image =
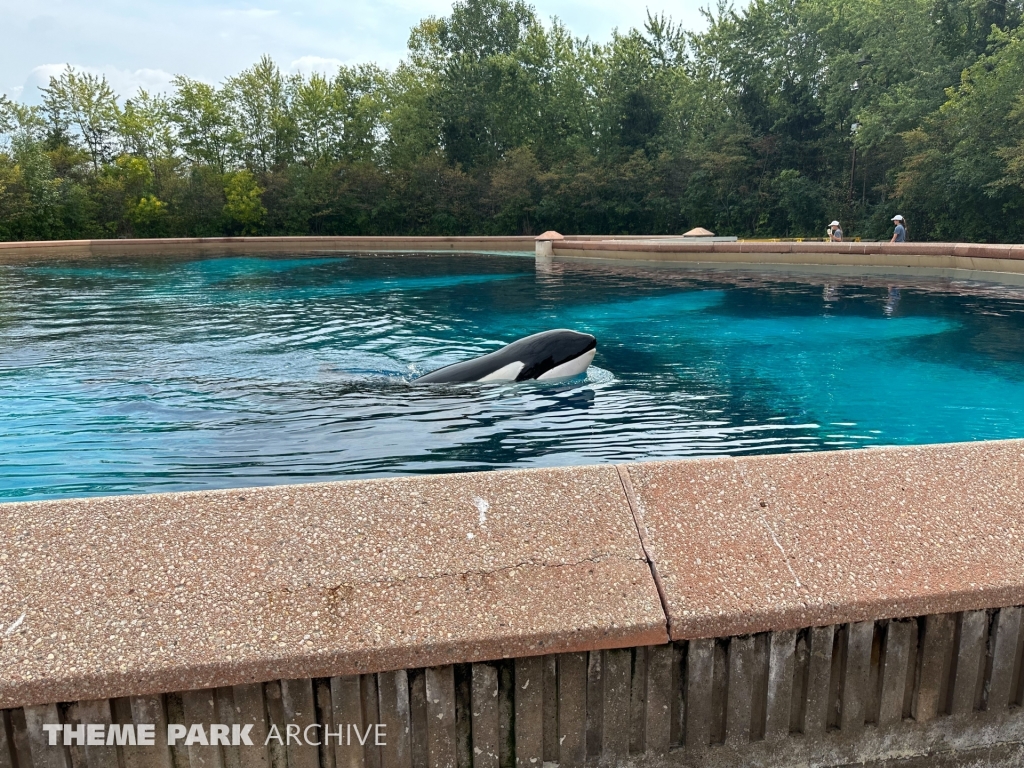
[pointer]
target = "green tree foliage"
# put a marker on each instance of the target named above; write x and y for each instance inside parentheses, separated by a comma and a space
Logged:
(779, 117)
(258, 103)
(81, 106)
(962, 175)
(243, 211)
(146, 129)
(201, 117)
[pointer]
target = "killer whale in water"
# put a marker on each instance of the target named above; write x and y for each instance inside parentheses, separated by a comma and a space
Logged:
(548, 355)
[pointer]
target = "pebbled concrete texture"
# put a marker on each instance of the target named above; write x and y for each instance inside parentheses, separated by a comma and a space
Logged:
(780, 542)
(132, 595)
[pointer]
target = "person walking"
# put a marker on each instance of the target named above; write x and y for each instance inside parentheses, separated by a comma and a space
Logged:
(835, 232)
(899, 234)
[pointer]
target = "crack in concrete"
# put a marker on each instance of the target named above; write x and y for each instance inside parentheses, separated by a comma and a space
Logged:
(641, 532)
(778, 544)
(483, 572)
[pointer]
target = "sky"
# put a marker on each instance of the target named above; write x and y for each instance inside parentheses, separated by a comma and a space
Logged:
(139, 43)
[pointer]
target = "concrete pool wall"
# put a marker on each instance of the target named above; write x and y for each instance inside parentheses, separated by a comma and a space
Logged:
(242, 246)
(944, 256)
(804, 609)
(1007, 259)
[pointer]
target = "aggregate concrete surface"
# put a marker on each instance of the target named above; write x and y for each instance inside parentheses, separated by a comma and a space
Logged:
(132, 595)
(786, 541)
(127, 595)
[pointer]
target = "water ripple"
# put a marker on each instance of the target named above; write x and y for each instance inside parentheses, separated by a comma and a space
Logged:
(146, 375)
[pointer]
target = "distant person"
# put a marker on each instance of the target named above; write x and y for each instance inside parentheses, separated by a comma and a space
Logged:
(899, 234)
(835, 232)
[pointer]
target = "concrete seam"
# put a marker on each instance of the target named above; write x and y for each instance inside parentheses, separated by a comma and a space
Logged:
(645, 543)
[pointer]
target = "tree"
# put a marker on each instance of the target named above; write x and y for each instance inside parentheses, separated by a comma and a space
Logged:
(961, 177)
(87, 104)
(319, 119)
(33, 192)
(472, 54)
(146, 128)
(205, 131)
(258, 99)
(244, 208)
(776, 117)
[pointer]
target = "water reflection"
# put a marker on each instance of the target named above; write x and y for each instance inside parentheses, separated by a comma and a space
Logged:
(892, 300)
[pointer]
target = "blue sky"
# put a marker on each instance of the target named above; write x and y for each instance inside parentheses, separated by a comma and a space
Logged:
(141, 43)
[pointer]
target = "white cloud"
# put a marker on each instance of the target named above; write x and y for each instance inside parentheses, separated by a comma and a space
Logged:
(307, 65)
(38, 78)
(128, 83)
(248, 13)
(140, 43)
(124, 82)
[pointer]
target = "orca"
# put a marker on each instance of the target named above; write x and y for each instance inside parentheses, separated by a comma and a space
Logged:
(548, 355)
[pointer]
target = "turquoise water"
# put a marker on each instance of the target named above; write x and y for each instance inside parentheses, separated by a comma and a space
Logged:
(136, 376)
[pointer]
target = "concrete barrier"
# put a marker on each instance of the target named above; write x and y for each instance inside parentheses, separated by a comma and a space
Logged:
(806, 609)
(230, 246)
(12, 251)
(945, 256)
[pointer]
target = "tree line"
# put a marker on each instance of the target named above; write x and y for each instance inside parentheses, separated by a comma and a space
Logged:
(771, 122)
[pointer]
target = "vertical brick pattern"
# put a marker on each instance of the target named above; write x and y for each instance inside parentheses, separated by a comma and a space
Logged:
(690, 699)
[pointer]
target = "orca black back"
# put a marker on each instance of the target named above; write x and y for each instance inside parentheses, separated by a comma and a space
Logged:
(549, 354)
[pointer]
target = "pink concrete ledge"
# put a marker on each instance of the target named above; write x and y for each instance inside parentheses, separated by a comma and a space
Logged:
(17, 251)
(131, 595)
(780, 542)
(951, 250)
(956, 255)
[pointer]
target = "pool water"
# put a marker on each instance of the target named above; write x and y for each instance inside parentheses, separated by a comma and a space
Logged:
(132, 376)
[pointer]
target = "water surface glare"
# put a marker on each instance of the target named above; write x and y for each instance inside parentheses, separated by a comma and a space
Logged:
(128, 376)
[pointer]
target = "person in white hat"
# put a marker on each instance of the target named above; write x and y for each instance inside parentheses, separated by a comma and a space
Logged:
(899, 234)
(835, 232)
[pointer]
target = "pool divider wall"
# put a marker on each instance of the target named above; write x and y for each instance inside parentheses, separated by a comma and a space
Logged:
(826, 608)
(959, 256)
(241, 246)
(16, 251)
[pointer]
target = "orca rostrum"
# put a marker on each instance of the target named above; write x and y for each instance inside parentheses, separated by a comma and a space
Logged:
(549, 355)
